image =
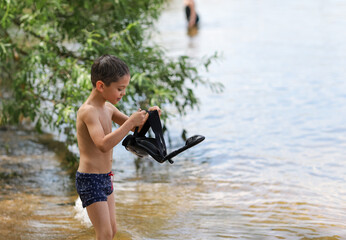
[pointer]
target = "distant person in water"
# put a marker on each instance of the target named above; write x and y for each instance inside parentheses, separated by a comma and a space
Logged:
(191, 15)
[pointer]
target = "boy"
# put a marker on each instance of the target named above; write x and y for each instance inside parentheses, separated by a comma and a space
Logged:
(110, 76)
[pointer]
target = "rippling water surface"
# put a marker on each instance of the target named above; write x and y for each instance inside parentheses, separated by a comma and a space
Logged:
(272, 164)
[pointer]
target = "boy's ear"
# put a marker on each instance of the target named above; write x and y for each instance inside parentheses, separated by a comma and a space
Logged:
(100, 85)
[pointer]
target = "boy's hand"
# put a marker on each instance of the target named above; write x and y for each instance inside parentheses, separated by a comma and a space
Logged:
(139, 118)
(155, 108)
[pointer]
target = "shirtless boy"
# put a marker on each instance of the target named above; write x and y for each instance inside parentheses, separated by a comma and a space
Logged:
(110, 76)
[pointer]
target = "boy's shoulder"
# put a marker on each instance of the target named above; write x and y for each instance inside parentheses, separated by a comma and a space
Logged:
(110, 106)
(85, 110)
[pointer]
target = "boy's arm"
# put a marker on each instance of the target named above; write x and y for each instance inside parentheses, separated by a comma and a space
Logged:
(104, 142)
(120, 118)
(117, 116)
(193, 14)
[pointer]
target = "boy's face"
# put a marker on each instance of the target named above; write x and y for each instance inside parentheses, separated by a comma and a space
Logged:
(116, 90)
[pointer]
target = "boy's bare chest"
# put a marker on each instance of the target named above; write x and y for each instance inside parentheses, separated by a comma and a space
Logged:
(106, 121)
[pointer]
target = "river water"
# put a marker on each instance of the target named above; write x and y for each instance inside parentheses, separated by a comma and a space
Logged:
(272, 164)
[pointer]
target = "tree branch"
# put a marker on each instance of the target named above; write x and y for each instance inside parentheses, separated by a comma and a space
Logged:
(66, 53)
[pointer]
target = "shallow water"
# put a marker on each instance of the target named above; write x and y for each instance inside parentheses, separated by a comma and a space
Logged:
(272, 164)
(37, 196)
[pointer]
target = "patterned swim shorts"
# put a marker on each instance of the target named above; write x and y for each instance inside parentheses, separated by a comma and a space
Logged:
(93, 187)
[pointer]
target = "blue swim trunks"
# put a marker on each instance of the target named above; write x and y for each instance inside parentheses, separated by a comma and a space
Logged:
(93, 187)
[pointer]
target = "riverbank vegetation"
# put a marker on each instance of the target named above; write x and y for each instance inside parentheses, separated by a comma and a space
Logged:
(47, 48)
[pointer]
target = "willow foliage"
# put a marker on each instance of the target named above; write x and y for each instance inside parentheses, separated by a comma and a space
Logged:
(47, 48)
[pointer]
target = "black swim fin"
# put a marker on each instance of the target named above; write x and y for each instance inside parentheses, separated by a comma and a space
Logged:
(190, 142)
(141, 145)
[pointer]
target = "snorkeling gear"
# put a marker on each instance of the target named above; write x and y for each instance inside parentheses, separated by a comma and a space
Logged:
(142, 146)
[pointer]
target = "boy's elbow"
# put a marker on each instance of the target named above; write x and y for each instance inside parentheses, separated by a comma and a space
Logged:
(102, 147)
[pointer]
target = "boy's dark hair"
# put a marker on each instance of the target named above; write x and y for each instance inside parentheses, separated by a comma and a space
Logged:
(108, 69)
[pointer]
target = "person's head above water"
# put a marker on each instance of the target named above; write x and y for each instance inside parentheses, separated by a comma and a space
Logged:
(108, 69)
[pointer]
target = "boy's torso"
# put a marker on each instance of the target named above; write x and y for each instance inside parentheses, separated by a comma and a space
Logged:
(92, 160)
